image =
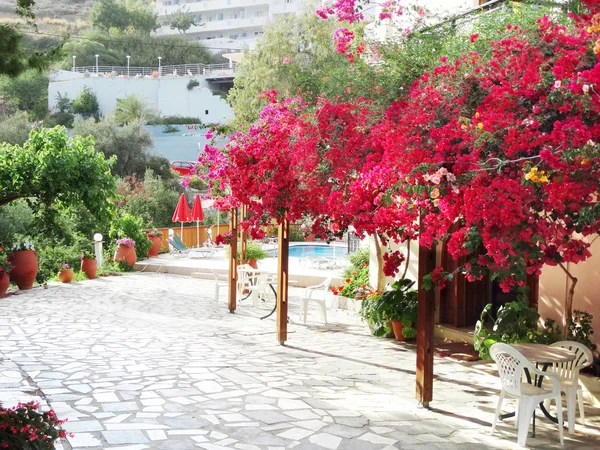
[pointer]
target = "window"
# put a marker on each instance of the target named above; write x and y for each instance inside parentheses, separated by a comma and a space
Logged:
(242, 14)
(219, 16)
(288, 1)
(206, 112)
(210, 19)
(233, 36)
(243, 35)
(233, 16)
(258, 13)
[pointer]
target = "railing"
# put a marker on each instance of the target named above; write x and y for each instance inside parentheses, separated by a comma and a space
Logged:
(210, 70)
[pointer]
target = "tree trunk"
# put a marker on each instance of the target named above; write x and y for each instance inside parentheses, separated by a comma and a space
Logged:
(568, 299)
(380, 275)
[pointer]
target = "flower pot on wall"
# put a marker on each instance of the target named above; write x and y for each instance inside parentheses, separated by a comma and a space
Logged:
(89, 267)
(126, 254)
(66, 275)
(252, 262)
(156, 245)
(4, 282)
(25, 268)
(310, 238)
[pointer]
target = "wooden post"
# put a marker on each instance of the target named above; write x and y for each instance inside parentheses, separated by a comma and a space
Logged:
(244, 245)
(425, 326)
(282, 280)
(233, 228)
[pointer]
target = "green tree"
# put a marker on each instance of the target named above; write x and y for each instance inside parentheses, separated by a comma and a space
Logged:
(86, 104)
(133, 108)
(56, 170)
(27, 92)
(129, 143)
(295, 55)
(108, 14)
(15, 129)
(182, 20)
(63, 112)
(151, 198)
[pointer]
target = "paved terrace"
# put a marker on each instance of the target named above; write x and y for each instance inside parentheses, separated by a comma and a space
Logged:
(150, 361)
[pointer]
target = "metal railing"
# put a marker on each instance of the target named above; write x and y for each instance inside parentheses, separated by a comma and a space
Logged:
(226, 70)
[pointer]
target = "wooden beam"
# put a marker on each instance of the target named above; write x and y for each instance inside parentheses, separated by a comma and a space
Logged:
(282, 280)
(243, 259)
(425, 326)
(233, 228)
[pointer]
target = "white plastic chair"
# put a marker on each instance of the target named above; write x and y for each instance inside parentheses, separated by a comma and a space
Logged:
(511, 366)
(308, 297)
(260, 286)
(569, 378)
(221, 280)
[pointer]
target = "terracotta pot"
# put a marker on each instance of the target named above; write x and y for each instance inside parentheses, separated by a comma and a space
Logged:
(126, 254)
(89, 267)
(398, 326)
(310, 238)
(156, 245)
(4, 282)
(252, 262)
(66, 275)
(25, 268)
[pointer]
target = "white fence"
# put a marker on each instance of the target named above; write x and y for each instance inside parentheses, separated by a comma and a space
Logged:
(226, 70)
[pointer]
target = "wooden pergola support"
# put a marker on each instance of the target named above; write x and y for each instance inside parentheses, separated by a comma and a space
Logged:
(233, 228)
(282, 280)
(425, 327)
(244, 236)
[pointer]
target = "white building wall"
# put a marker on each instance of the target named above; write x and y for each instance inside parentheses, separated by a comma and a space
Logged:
(167, 95)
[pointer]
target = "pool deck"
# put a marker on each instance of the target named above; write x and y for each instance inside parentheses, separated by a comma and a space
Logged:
(202, 267)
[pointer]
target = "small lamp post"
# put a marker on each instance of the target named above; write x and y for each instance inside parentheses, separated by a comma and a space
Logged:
(97, 64)
(128, 65)
(159, 69)
(98, 249)
(74, 62)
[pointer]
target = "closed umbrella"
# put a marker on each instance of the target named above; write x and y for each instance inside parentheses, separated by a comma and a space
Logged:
(197, 216)
(182, 212)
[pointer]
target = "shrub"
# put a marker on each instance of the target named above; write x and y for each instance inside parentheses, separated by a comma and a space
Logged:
(174, 120)
(86, 103)
(192, 84)
(128, 226)
(24, 427)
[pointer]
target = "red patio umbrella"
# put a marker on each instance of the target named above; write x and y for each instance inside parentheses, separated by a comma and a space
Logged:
(182, 212)
(197, 216)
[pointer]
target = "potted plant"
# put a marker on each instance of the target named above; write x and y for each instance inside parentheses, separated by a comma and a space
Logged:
(126, 251)
(25, 264)
(254, 253)
(24, 427)
(65, 274)
(5, 268)
(398, 306)
(155, 237)
(89, 265)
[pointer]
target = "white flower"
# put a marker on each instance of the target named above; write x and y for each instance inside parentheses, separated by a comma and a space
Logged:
(451, 177)
(557, 84)
(435, 178)
(586, 88)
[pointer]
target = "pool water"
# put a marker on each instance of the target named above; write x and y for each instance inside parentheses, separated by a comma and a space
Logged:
(303, 251)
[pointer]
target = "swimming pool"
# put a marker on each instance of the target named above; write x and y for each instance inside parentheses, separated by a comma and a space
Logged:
(303, 251)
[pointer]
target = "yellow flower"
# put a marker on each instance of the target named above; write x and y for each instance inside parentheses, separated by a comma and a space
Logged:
(480, 126)
(543, 179)
(597, 47)
(463, 127)
(589, 29)
(436, 202)
(477, 115)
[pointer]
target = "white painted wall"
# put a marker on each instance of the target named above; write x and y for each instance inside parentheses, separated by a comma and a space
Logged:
(412, 261)
(167, 95)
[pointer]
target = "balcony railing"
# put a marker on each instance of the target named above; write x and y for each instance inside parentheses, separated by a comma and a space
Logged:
(226, 70)
(207, 5)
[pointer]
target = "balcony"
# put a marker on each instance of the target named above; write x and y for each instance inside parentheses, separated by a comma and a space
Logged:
(208, 6)
(215, 26)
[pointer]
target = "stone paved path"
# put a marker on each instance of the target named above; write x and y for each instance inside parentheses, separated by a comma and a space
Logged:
(150, 361)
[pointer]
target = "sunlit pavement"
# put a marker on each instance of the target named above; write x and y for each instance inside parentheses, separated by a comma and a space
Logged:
(151, 361)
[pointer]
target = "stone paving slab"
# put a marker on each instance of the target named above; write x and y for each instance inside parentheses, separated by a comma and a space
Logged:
(150, 361)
